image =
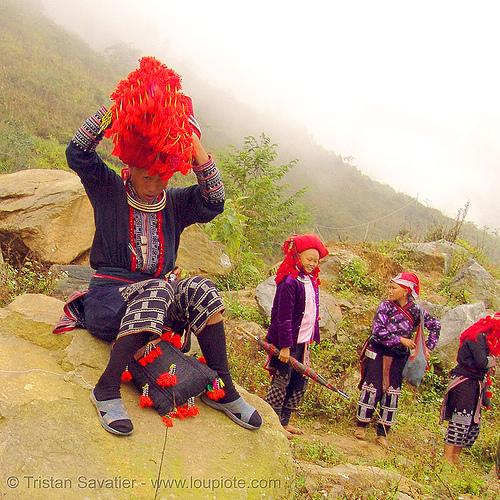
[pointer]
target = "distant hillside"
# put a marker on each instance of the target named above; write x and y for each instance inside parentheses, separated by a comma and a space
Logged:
(50, 80)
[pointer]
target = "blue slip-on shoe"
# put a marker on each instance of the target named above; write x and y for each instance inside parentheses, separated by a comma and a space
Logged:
(238, 411)
(110, 411)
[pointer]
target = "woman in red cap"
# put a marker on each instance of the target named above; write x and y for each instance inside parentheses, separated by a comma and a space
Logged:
(467, 390)
(294, 323)
(386, 353)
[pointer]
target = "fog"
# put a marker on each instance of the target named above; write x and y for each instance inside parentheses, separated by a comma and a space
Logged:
(409, 90)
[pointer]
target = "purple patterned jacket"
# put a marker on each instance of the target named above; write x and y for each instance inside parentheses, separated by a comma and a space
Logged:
(390, 325)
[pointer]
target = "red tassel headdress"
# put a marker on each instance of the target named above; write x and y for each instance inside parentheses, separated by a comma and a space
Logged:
(150, 120)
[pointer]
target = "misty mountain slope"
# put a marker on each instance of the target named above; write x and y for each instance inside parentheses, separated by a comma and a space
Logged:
(51, 79)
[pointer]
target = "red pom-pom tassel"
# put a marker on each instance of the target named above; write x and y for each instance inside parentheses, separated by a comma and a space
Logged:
(126, 375)
(215, 391)
(167, 420)
(146, 401)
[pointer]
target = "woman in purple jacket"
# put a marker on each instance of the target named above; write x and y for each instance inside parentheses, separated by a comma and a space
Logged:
(294, 323)
(386, 353)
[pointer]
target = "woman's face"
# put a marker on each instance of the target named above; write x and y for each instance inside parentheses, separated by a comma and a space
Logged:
(309, 259)
(397, 293)
(147, 187)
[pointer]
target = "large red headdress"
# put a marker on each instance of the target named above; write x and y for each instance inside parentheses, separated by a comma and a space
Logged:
(150, 120)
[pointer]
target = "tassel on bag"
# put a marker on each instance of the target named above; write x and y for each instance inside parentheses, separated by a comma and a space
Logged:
(126, 375)
(169, 378)
(216, 391)
(145, 400)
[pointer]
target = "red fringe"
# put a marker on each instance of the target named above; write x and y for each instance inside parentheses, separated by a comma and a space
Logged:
(151, 127)
(172, 337)
(126, 376)
(167, 379)
(185, 411)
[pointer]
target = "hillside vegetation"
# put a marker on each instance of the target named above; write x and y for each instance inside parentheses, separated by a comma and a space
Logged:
(51, 80)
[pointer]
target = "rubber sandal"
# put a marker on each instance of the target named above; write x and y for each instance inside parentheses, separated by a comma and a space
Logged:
(360, 432)
(238, 411)
(382, 441)
(110, 411)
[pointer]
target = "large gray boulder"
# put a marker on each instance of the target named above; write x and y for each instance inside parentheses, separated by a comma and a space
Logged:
(52, 445)
(474, 283)
(453, 322)
(46, 212)
(434, 254)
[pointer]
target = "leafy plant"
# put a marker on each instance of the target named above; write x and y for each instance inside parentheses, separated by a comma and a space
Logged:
(254, 184)
(355, 278)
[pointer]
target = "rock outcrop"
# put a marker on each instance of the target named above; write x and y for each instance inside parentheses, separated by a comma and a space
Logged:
(434, 255)
(47, 213)
(52, 445)
(474, 283)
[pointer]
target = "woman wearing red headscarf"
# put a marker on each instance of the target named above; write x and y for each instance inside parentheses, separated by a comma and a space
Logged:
(294, 323)
(467, 390)
(387, 351)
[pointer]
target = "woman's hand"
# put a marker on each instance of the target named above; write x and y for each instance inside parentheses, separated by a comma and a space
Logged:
(201, 156)
(284, 354)
(408, 343)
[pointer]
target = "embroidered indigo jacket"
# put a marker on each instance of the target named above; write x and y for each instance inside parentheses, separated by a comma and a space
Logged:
(106, 191)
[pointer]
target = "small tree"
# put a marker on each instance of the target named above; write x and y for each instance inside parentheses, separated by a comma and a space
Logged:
(251, 178)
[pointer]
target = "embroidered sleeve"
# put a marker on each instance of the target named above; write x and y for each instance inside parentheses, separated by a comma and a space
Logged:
(434, 328)
(210, 182)
(89, 135)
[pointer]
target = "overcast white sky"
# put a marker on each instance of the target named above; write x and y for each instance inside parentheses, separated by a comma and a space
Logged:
(409, 89)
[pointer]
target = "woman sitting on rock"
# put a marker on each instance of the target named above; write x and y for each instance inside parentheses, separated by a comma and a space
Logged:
(138, 226)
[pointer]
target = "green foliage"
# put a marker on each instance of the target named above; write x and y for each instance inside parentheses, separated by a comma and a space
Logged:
(16, 147)
(268, 213)
(230, 228)
(248, 270)
(236, 310)
(49, 153)
(355, 278)
(319, 453)
(29, 277)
